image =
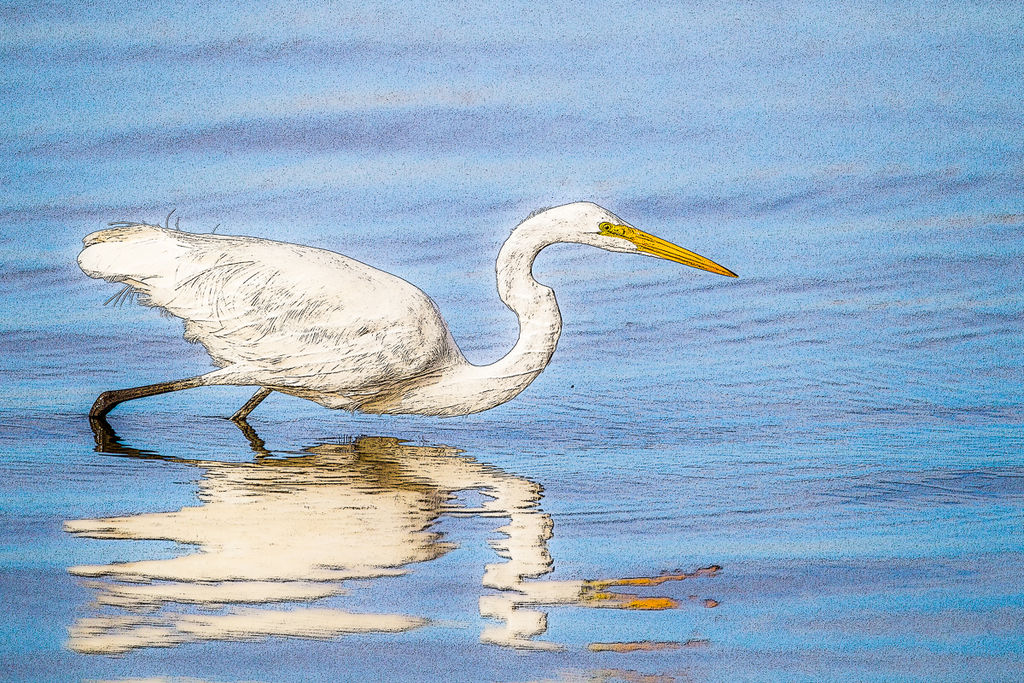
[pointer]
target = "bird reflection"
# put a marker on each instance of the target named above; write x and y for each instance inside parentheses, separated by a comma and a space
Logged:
(275, 539)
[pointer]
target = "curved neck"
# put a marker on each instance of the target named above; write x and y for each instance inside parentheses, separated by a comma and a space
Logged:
(534, 304)
(540, 322)
(464, 388)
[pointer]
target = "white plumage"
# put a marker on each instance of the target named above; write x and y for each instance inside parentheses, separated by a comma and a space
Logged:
(322, 326)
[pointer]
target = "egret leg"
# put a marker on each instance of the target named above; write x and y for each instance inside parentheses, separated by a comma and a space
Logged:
(251, 404)
(106, 401)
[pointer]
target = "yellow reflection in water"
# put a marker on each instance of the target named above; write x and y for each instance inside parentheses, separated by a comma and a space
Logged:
(277, 534)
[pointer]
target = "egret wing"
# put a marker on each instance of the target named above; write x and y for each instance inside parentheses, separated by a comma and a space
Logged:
(279, 314)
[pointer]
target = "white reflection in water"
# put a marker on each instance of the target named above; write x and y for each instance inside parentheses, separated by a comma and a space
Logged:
(279, 533)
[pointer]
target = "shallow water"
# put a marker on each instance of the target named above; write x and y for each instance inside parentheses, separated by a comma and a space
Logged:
(839, 430)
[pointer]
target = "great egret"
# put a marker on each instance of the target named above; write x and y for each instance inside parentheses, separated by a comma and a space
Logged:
(324, 327)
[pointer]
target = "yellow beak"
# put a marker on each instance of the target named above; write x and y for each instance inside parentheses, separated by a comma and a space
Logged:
(655, 246)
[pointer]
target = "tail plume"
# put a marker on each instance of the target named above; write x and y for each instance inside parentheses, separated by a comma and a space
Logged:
(133, 253)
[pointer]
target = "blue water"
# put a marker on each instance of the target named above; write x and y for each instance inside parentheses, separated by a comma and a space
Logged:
(840, 429)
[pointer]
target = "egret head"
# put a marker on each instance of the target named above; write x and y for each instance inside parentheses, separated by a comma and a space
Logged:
(588, 223)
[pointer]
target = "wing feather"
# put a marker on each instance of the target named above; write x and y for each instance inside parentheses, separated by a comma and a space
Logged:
(279, 314)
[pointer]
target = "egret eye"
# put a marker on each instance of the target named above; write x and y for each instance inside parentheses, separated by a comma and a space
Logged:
(613, 229)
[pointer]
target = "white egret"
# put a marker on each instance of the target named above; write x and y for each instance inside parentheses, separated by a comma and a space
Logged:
(324, 327)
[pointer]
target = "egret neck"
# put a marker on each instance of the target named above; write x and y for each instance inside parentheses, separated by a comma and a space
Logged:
(466, 388)
(540, 322)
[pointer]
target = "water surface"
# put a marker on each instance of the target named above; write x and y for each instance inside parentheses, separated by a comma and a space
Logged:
(839, 430)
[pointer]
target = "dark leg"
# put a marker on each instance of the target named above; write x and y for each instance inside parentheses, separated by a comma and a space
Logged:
(108, 399)
(251, 404)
